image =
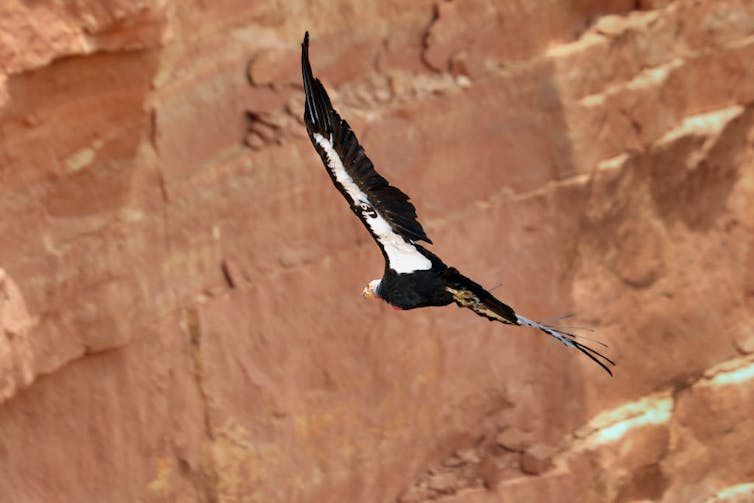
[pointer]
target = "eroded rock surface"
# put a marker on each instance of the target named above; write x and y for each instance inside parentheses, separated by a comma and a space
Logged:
(179, 308)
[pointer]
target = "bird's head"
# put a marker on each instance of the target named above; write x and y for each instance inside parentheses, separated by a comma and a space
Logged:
(370, 292)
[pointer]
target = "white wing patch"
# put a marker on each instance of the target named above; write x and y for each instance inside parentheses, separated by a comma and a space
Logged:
(403, 257)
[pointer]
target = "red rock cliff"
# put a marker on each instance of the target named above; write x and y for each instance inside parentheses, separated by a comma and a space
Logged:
(180, 316)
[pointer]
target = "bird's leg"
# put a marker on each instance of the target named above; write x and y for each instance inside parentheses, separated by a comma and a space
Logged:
(464, 298)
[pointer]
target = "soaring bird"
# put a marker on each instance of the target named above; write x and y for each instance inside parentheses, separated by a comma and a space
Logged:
(414, 277)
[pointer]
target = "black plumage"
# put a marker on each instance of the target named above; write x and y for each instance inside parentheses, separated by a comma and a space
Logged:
(320, 117)
(413, 277)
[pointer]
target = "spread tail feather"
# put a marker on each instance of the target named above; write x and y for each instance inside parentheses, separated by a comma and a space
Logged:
(569, 339)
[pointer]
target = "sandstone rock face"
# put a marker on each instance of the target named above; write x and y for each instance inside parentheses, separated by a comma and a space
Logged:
(180, 316)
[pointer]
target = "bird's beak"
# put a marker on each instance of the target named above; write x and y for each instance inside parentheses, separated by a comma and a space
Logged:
(367, 293)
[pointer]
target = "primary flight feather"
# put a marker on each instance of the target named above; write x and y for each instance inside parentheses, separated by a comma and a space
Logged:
(414, 277)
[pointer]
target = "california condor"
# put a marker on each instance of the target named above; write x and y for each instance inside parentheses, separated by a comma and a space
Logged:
(414, 276)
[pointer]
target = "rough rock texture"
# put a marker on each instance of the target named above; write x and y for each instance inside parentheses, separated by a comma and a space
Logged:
(179, 308)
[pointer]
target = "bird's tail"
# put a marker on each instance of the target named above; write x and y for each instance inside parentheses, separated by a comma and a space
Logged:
(569, 339)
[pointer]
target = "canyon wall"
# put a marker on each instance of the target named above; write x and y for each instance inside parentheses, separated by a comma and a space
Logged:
(180, 317)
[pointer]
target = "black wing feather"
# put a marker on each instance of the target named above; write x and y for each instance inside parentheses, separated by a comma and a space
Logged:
(320, 117)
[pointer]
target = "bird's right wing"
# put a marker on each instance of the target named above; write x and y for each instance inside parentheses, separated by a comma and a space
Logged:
(467, 293)
(384, 210)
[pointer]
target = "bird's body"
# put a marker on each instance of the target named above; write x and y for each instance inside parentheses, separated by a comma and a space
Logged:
(422, 288)
(414, 277)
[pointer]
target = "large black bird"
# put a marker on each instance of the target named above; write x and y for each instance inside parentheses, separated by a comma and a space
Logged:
(414, 277)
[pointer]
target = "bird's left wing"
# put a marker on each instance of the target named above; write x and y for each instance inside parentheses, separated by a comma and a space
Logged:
(467, 293)
(384, 210)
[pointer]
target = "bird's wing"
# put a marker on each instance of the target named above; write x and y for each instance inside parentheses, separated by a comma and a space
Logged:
(385, 211)
(467, 293)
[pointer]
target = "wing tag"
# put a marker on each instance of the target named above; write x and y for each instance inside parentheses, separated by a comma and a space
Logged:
(367, 210)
